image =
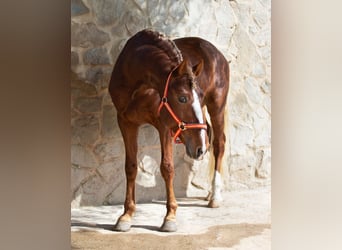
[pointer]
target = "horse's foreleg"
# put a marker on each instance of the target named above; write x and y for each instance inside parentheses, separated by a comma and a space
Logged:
(167, 171)
(129, 133)
(218, 122)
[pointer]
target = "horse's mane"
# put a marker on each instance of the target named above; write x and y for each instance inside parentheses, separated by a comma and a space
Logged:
(159, 40)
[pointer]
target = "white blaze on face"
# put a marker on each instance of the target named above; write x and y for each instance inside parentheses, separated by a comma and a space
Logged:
(196, 105)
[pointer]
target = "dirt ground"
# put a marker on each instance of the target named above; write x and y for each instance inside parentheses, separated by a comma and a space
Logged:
(242, 222)
(225, 237)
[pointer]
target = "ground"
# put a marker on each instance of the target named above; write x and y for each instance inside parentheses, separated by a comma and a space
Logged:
(242, 222)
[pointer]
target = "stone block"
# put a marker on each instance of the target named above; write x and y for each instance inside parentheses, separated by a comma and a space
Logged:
(108, 12)
(177, 11)
(253, 91)
(112, 173)
(148, 167)
(262, 38)
(83, 157)
(241, 138)
(200, 177)
(147, 194)
(117, 196)
(110, 127)
(182, 179)
(263, 137)
(265, 53)
(134, 21)
(119, 31)
(85, 129)
(96, 56)
(260, 118)
(79, 175)
(148, 135)
(247, 51)
(242, 12)
(260, 14)
(99, 76)
(110, 151)
(86, 35)
(94, 192)
(242, 177)
(242, 168)
(94, 75)
(263, 170)
(81, 88)
(240, 108)
(259, 70)
(88, 104)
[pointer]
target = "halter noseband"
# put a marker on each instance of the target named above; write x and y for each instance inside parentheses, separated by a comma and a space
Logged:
(181, 125)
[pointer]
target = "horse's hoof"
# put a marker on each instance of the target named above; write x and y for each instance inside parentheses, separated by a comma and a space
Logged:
(169, 226)
(214, 204)
(123, 226)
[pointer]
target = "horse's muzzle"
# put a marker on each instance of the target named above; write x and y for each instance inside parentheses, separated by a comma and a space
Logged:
(196, 153)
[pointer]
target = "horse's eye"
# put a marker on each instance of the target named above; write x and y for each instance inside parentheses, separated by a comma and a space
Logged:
(182, 99)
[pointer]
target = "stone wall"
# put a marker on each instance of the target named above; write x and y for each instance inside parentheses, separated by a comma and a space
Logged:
(99, 29)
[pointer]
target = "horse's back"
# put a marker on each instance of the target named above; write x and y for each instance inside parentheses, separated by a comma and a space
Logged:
(215, 75)
(200, 49)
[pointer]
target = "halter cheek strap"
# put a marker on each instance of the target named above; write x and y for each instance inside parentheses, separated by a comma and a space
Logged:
(182, 126)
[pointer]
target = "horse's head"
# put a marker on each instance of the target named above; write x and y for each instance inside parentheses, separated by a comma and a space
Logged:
(184, 98)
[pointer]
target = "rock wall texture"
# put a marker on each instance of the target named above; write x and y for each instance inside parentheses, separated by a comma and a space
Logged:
(99, 29)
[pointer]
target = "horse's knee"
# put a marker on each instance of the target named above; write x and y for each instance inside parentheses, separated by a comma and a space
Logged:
(167, 170)
(219, 140)
(219, 145)
(131, 170)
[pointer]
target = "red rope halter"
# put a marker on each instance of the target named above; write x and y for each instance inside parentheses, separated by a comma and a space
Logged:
(181, 125)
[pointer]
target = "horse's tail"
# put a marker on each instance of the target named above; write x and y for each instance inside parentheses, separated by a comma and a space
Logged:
(225, 162)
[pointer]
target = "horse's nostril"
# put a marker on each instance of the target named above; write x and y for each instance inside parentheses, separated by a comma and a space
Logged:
(199, 152)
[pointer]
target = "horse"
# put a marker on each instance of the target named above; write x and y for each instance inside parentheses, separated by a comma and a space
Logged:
(167, 83)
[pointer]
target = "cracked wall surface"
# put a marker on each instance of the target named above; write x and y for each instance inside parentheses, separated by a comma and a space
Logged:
(241, 30)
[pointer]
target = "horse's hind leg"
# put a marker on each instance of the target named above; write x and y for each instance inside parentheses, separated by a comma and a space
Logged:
(217, 116)
(129, 132)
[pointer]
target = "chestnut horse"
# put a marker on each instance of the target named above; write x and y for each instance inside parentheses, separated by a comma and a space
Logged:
(166, 84)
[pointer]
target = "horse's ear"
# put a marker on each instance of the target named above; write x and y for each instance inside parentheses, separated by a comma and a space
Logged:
(182, 68)
(197, 69)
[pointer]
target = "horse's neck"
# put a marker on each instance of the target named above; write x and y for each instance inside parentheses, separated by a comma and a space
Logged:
(157, 79)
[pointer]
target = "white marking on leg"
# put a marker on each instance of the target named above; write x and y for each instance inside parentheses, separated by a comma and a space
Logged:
(216, 187)
(196, 105)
